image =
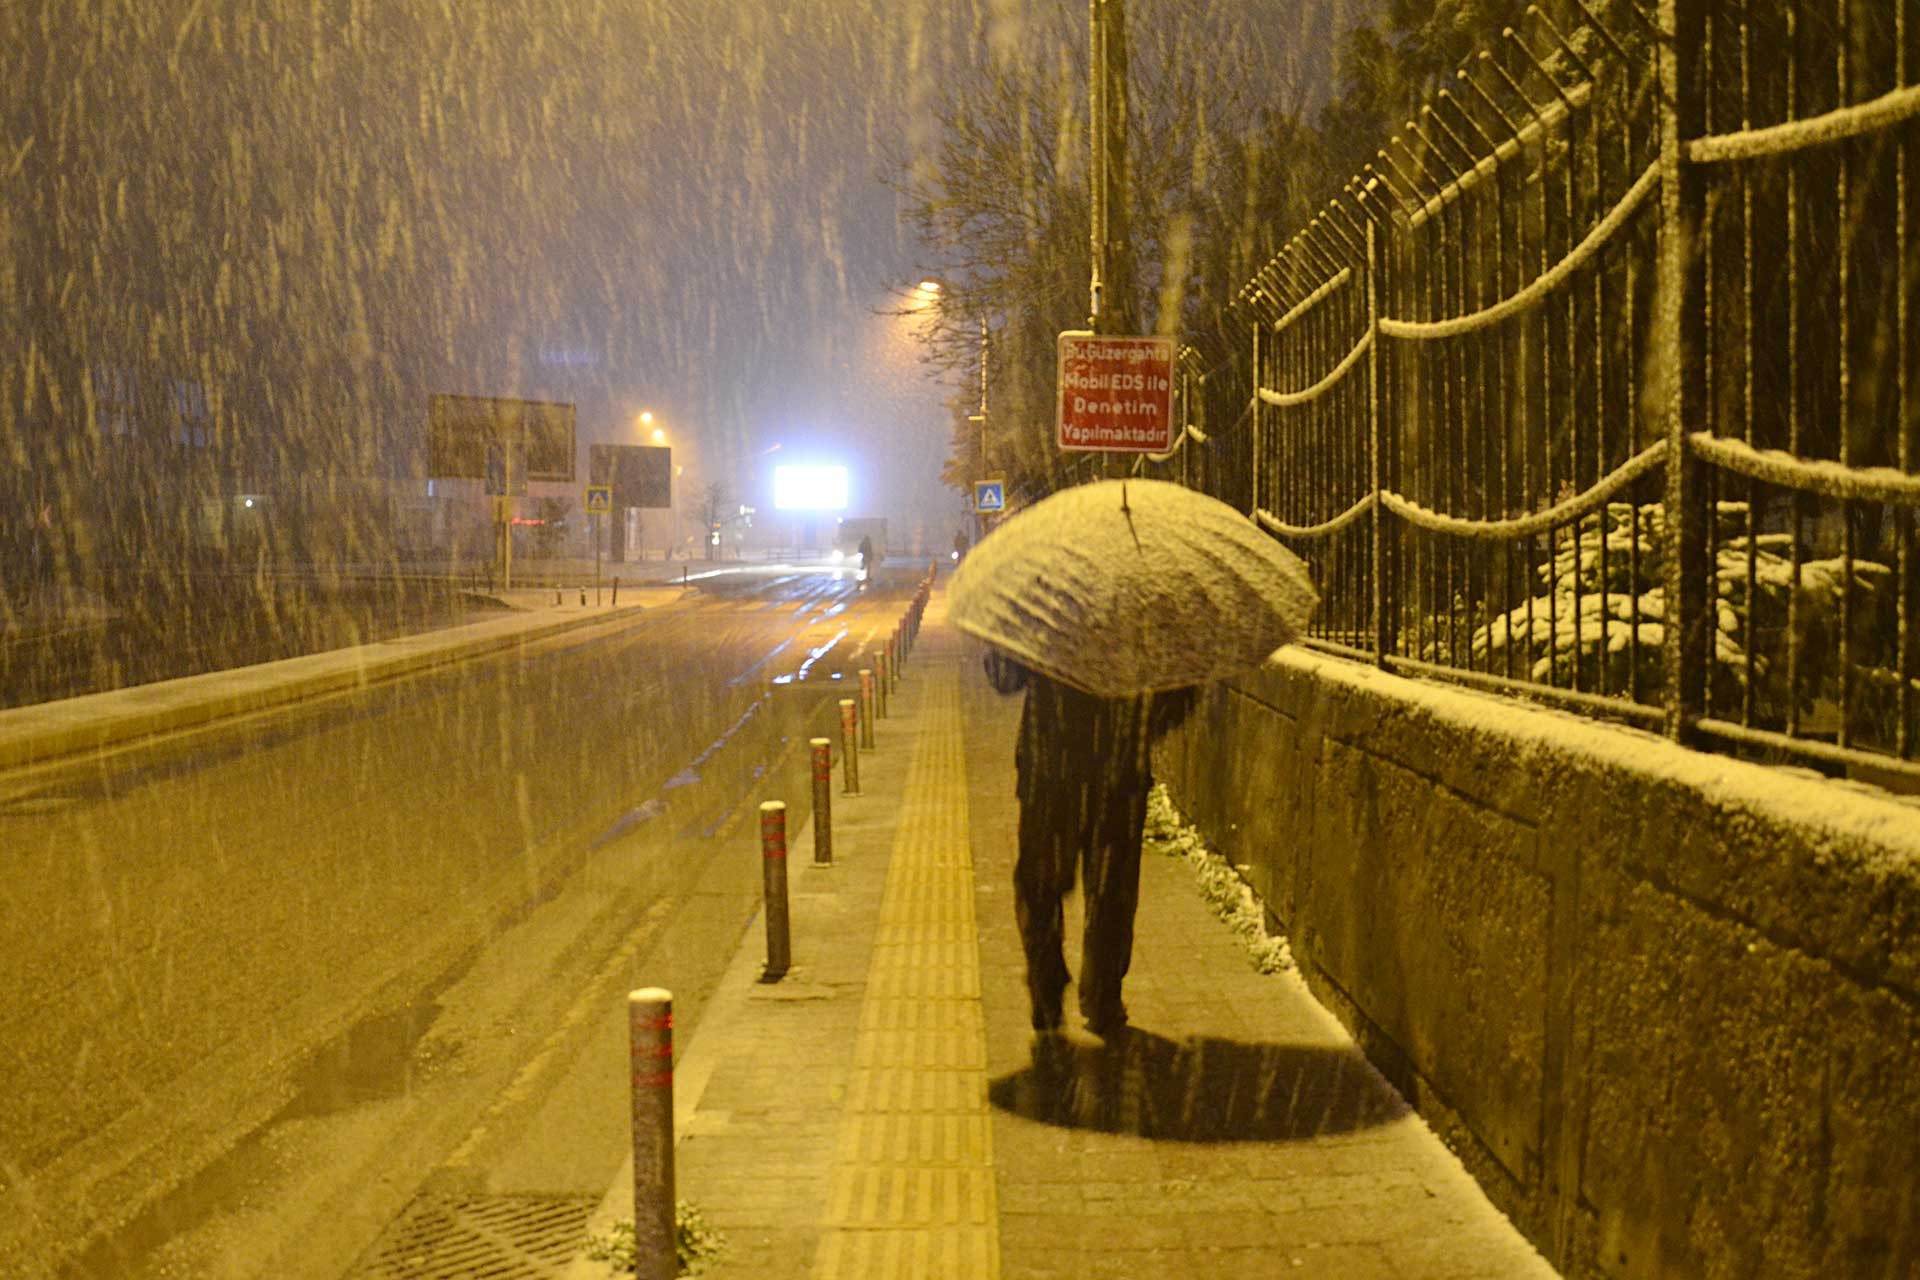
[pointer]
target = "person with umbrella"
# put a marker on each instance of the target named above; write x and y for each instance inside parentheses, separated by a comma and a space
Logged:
(1110, 604)
(1083, 770)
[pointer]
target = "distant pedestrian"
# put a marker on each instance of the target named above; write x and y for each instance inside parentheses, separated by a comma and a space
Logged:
(1083, 775)
(866, 557)
(960, 544)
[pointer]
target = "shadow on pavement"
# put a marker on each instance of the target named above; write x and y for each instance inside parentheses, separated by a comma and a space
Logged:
(1198, 1090)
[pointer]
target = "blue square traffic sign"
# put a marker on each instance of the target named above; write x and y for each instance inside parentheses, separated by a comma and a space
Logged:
(989, 495)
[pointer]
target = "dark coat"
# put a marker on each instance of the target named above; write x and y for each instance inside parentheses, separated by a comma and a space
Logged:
(1080, 751)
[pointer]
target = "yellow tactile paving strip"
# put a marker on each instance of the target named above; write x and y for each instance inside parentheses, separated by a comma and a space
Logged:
(911, 1192)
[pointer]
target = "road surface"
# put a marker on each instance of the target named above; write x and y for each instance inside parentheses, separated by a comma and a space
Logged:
(271, 980)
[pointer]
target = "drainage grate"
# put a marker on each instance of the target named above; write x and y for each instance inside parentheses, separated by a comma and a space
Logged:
(478, 1237)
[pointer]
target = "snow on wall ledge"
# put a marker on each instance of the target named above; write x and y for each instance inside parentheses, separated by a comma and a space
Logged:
(1665, 1004)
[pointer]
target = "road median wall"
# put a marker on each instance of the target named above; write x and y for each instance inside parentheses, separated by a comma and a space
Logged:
(51, 731)
(1665, 1005)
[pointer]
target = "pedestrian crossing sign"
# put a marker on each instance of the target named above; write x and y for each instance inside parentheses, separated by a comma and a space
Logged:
(599, 499)
(989, 495)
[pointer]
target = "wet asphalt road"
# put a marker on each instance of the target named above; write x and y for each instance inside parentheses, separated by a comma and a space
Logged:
(311, 960)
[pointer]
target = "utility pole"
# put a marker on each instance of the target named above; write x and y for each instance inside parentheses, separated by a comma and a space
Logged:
(1111, 289)
(1111, 295)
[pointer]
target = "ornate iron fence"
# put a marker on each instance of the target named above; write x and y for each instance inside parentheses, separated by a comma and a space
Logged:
(1596, 385)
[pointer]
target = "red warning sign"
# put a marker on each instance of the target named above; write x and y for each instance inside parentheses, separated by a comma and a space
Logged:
(1116, 393)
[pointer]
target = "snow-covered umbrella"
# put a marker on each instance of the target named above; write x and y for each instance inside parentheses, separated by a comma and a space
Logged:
(1132, 586)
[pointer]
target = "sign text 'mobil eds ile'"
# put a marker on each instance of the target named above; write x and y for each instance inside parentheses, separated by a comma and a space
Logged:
(1115, 393)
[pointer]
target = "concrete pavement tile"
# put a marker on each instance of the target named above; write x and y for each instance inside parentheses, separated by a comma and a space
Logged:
(1023, 1231)
(1231, 1194)
(769, 1200)
(1101, 1196)
(1054, 1198)
(1100, 1230)
(1042, 1264)
(1204, 1264)
(1132, 1165)
(1311, 1159)
(1467, 1254)
(1375, 1186)
(1336, 1262)
(1378, 1221)
(765, 1254)
(1230, 1228)
(1134, 1264)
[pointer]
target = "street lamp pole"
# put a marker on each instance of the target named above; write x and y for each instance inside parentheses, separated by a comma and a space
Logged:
(984, 344)
(673, 501)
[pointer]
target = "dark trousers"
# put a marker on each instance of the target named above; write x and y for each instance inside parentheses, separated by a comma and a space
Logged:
(1096, 833)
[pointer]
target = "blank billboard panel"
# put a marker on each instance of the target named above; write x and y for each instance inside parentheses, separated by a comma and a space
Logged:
(548, 432)
(464, 431)
(641, 474)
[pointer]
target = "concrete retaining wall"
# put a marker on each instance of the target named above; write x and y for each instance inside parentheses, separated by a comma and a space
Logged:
(1665, 1005)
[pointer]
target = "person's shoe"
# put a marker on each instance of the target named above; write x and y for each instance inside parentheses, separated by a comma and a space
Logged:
(1046, 1089)
(1052, 1053)
(1108, 1024)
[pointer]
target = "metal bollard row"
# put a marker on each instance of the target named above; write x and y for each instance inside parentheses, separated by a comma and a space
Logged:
(650, 1010)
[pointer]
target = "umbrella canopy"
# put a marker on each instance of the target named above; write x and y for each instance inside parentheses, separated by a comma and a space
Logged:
(1132, 586)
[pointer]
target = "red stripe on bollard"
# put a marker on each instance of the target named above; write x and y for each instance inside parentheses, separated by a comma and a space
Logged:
(773, 866)
(650, 1037)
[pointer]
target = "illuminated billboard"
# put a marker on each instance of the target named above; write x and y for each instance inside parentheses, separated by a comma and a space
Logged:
(810, 488)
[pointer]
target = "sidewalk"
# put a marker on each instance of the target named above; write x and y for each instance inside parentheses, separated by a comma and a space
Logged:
(875, 1112)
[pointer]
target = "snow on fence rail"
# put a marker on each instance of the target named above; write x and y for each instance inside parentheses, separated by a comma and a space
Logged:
(1593, 369)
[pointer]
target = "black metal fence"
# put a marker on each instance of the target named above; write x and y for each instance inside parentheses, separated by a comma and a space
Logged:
(1596, 385)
